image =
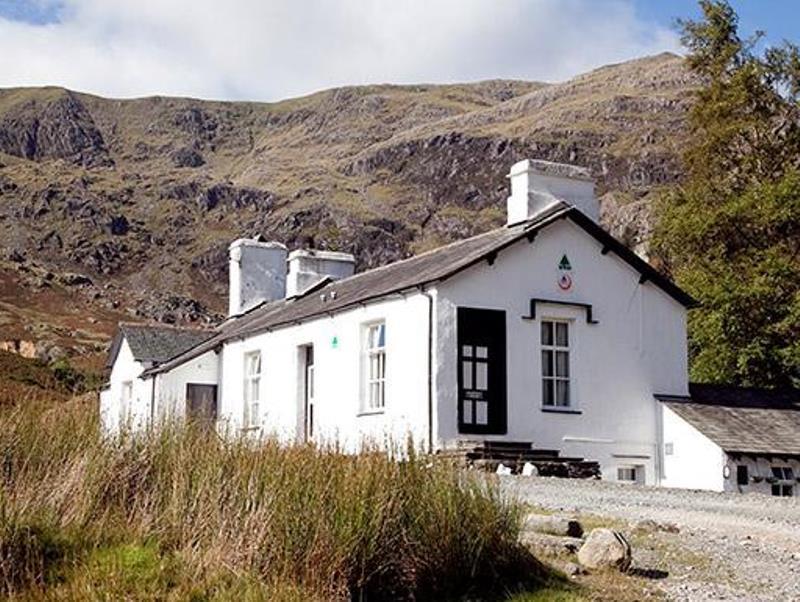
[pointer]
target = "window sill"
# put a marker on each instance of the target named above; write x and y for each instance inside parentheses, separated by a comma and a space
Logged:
(561, 410)
(371, 412)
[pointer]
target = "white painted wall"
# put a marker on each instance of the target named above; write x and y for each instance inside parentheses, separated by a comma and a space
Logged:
(339, 376)
(171, 386)
(637, 349)
(113, 412)
(696, 462)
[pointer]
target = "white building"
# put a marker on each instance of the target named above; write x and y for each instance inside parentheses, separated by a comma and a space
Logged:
(546, 330)
(733, 439)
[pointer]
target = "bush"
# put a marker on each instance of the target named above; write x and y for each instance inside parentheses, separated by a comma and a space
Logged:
(179, 512)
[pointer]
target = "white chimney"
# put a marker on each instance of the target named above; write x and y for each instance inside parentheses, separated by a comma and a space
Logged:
(308, 266)
(257, 273)
(536, 186)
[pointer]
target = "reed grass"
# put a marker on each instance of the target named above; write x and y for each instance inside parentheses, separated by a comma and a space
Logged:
(177, 513)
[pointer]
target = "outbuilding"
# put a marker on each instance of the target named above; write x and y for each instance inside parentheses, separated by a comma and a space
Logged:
(733, 439)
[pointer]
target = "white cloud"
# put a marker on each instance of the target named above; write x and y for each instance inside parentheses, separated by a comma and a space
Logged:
(271, 49)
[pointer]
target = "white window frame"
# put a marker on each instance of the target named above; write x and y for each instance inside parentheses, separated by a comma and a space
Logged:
(554, 348)
(253, 374)
(374, 370)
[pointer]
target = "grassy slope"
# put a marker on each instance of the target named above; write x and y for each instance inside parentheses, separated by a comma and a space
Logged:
(382, 170)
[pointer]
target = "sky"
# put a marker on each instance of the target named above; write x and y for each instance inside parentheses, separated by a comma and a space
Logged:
(274, 49)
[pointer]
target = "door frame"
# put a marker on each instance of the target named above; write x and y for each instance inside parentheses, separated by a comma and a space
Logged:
(489, 327)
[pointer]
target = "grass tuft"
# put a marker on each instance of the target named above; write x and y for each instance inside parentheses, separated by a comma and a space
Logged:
(178, 514)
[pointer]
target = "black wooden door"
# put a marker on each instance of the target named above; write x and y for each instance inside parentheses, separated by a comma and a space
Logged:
(481, 371)
(201, 403)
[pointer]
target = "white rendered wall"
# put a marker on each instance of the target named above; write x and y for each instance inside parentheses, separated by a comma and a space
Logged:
(696, 462)
(171, 386)
(638, 348)
(338, 415)
(137, 413)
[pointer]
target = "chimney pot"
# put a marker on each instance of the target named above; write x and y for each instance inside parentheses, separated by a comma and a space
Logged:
(537, 186)
(308, 266)
(257, 273)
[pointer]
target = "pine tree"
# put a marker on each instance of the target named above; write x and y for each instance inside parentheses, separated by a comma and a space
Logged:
(730, 234)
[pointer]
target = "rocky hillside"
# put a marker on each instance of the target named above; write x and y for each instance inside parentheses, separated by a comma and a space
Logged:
(113, 209)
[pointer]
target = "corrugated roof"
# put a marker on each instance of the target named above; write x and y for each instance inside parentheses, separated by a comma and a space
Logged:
(743, 420)
(417, 271)
(156, 343)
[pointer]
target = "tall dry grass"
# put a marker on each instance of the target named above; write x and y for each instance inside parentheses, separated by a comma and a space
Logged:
(178, 514)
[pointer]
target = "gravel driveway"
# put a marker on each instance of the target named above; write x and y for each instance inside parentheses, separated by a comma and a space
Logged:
(729, 547)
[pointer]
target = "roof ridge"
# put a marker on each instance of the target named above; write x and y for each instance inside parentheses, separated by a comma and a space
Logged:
(157, 325)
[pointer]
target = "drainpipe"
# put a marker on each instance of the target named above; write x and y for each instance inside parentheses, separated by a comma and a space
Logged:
(430, 367)
(153, 402)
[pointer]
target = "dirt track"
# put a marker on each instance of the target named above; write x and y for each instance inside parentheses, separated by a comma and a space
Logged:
(729, 547)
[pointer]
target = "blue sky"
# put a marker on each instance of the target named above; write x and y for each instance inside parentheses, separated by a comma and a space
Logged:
(272, 49)
(779, 18)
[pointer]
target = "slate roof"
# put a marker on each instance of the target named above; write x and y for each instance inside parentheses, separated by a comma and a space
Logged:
(156, 343)
(743, 420)
(413, 273)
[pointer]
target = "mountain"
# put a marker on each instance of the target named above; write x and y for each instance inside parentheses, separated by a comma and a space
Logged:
(123, 209)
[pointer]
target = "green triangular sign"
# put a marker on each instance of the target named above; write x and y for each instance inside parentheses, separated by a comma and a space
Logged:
(564, 264)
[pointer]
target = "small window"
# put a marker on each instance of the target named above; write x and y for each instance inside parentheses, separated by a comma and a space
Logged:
(252, 389)
(669, 448)
(626, 473)
(375, 385)
(555, 364)
(126, 397)
(785, 485)
(742, 475)
(127, 392)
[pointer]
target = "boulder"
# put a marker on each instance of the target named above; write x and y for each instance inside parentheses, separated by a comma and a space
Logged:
(553, 525)
(573, 569)
(605, 549)
(550, 545)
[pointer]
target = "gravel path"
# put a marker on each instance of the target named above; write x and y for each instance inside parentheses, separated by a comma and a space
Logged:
(730, 547)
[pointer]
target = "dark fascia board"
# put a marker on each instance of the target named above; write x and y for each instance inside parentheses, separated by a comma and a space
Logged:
(559, 212)
(610, 243)
(669, 398)
(116, 345)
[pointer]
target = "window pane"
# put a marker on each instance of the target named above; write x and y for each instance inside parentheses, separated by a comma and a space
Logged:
(481, 376)
(547, 333)
(466, 373)
(562, 392)
(381, 335)
(562, 336)
(481, 412)
(467, 411)
(547, 363)
(466, 350)
(547, 392)
(562, 363)
(482, 352)
(382, 365)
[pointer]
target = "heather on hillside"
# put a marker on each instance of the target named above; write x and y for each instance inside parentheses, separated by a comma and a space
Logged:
(179, 514)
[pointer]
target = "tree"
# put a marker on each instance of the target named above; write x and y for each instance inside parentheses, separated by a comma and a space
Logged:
(730, 234)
